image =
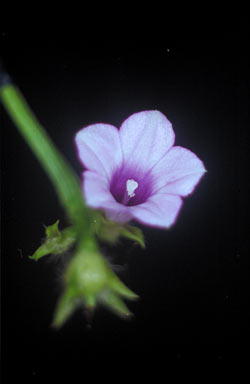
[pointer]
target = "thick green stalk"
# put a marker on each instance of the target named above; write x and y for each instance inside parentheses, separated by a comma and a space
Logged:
(62, 176)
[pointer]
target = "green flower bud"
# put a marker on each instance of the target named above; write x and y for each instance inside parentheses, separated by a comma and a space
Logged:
(90, 280)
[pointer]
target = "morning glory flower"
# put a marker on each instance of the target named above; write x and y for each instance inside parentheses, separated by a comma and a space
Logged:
(136, 172)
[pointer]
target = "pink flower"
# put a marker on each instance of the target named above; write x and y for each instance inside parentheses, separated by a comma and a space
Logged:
(136, 172)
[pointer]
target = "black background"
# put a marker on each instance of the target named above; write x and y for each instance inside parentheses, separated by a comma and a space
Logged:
(192, 279)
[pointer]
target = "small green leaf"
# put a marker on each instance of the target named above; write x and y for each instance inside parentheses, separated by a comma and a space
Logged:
(56, 242)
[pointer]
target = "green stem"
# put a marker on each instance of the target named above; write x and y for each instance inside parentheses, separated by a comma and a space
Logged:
(62, 176)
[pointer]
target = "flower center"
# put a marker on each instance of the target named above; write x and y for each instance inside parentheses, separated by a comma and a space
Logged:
(130, 186)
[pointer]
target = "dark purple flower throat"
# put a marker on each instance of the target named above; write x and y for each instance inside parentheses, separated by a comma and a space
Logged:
(130, 186)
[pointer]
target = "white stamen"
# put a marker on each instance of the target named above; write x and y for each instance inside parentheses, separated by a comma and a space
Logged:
(131, 186)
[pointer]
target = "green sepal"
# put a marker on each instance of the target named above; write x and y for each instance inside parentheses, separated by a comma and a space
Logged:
(56, 241)
(110, 232)
(115, 304)
(66, 305)
(133, 233)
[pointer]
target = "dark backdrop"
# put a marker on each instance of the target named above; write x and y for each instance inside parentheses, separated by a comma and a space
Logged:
(192, 279)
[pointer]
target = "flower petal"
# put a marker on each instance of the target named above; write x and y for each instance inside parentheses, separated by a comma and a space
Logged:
(117, 212)
(160, 210)
(178, 172)
(99, 148)
(97, 195)
(145, 138)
